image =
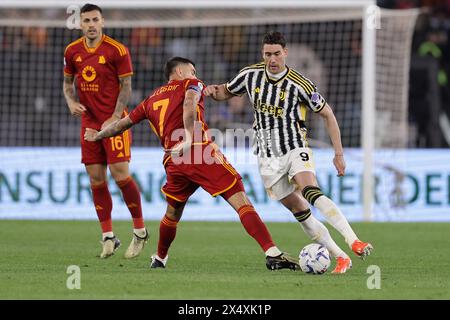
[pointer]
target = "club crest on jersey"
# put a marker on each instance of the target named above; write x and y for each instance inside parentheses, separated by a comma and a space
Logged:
(88, 73)
(257, 90)
(101, 60)
(282, 95)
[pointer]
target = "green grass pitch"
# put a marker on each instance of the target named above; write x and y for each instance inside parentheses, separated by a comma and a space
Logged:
(217, 260)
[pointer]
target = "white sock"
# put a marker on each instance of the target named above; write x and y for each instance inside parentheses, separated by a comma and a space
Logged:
(164, 261)
(108, 234)
(317, 232)
(335, 217)
(273, 252)
(139, 232)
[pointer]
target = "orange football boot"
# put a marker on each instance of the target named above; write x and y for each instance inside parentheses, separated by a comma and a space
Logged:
(361, 249)
(342, 265)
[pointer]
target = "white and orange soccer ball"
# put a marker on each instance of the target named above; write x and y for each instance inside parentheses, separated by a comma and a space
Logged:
(314, 259)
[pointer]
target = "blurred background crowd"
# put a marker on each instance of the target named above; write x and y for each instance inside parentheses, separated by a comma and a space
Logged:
(26, 83)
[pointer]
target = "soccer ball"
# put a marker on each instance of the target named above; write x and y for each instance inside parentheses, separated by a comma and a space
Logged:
(314, 259)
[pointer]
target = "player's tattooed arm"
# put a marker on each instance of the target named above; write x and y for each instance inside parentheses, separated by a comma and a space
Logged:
(76, 108)
(122, 100)
(112, 129)
(191, 98)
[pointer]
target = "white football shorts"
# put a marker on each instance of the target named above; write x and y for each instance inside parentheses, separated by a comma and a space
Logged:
(277, 172)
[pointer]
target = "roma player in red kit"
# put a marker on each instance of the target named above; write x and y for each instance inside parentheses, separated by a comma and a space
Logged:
(101, 68)
(176, 110)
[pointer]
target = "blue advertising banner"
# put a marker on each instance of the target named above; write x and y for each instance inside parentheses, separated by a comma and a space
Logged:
(51, 183)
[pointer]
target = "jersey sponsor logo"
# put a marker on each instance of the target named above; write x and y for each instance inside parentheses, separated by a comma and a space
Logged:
(78, 59)
(88, 73)
(268, 109)
(101, 60)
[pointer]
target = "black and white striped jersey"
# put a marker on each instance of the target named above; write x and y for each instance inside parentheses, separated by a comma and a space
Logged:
(279, 107)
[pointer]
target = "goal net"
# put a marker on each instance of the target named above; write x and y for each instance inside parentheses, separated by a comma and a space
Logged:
(325, 44)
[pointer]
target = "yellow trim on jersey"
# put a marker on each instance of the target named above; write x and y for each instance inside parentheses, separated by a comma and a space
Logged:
(303, 111)
(301, 81)
(153, 128)
(92, 50)
(118, 44)
(225, 190)
(172, 197)
(226, 165)
(126, 143)
(321, 108)
(301, 84)
(167, 159)
(125, 74)
(120, 47)
(73, 43)
(259, 65)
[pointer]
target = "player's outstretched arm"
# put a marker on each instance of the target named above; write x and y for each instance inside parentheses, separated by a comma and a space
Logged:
(218, 92)
(122, 101)
(113, 129)
(335, 136)
(76, 108)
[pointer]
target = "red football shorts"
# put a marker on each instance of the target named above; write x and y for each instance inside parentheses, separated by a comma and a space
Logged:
(184, 179)
(109, 150)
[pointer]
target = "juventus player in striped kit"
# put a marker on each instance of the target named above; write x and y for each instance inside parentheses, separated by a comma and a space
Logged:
(280, 97)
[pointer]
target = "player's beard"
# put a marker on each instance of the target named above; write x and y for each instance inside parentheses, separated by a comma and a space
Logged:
(93, 35)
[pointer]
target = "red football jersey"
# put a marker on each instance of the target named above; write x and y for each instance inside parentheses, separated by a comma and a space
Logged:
(164, 110)
(96, 72)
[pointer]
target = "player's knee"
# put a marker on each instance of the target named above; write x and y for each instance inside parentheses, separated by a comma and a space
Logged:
(96, 180)
(312, 193)
(119, 171)
(120, 176)
(295, 203)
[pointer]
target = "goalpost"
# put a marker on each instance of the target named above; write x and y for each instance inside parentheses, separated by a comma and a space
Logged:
(357, 54)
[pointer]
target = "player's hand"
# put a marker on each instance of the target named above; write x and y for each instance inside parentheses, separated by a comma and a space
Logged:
(339, 163)
(110, 120)
(211, 91)
(77, 109)
(90, 134)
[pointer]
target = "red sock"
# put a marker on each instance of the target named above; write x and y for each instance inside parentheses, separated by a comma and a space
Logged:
(167, 233)
(103, 205)
(255, 227)
(132, 198)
